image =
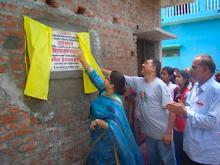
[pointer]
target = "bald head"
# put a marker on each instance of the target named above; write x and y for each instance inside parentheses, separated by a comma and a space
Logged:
(203, 68)
(206, 60)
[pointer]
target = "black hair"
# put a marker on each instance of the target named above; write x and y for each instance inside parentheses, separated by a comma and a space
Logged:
(217, 76)
(118, 80)
(157, 64)
(169, 70)
(206, 60)
(186, 76)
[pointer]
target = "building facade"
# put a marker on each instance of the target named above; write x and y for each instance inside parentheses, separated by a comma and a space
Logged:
(55, 131)
(196, 26)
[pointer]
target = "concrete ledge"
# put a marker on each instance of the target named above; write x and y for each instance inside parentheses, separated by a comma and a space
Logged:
(154, 34)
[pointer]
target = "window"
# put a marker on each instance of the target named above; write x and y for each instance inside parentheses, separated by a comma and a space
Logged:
(171, 50)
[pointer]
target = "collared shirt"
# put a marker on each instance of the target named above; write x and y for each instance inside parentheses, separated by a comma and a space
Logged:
(201, 141)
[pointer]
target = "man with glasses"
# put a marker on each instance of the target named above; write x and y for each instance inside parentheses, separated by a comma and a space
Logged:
(152, 95)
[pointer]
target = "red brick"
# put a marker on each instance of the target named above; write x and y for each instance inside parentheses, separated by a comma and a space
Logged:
(34, 161)
(23, 124)
(2, 69)
(14, 52)
(3, 5)
(24, 131)
(18, 59)
(69, 154)
(65, 119)
(34, 120)
(3, 146)
(90, 13)
(29, 147)
(14, 110)
(32, 11)
(67, 133)
(43, 154)
(7, 118)
(19, 33)
(12, 7)
(68, 1)
(26, 10)
(6, 17)
(15, 143)
(43, 139)
(4, 59)
(25, 115)
(6, 136)
(11, 126)
(2, 129)
(28, 140)
(17, 67)
(9, 24)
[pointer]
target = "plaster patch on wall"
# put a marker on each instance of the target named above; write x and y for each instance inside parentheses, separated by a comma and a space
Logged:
(12, 42)
(95, 45)
(8, 89)
(44, 118)
(12, 91)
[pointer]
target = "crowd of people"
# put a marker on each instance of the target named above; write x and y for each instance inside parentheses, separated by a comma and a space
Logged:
(165, 117)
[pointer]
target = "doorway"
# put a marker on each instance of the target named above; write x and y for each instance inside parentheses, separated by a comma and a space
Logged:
(145, 50)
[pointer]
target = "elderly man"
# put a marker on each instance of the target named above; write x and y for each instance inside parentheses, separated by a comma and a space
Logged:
(202, 110)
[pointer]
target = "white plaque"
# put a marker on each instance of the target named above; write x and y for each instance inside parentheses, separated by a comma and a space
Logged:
(64, 46)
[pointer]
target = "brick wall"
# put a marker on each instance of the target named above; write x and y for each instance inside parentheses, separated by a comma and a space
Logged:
(56, 131)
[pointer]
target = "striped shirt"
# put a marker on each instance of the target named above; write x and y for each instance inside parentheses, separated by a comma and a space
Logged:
(201, 141)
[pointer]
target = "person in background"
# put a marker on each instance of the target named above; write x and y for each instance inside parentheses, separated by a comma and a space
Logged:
(175, 71)
(180, 93)
(134, 118)
(201, 141)
(187, 70)
(112, 140)
(152, 95)
(217, 77)
(167, 76)
(191, 79)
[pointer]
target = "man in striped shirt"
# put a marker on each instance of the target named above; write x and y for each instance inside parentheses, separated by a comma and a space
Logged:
(202, 110)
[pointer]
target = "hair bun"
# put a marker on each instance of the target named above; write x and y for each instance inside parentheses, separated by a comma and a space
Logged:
(118, 80)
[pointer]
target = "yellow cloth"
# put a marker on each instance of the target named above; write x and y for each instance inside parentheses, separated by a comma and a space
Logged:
(39, 46)
(84, 43)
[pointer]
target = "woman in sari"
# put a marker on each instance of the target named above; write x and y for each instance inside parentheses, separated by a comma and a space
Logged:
(112, 140)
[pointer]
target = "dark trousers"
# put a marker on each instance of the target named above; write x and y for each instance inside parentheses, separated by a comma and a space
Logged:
(178, 143)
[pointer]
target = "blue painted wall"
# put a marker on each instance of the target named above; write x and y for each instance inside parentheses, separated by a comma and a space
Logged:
(194, 38)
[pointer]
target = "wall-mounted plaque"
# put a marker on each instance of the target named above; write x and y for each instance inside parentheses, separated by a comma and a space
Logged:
(64, 46)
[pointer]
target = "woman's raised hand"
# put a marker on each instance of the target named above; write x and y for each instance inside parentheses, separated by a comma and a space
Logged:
(79, 55)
